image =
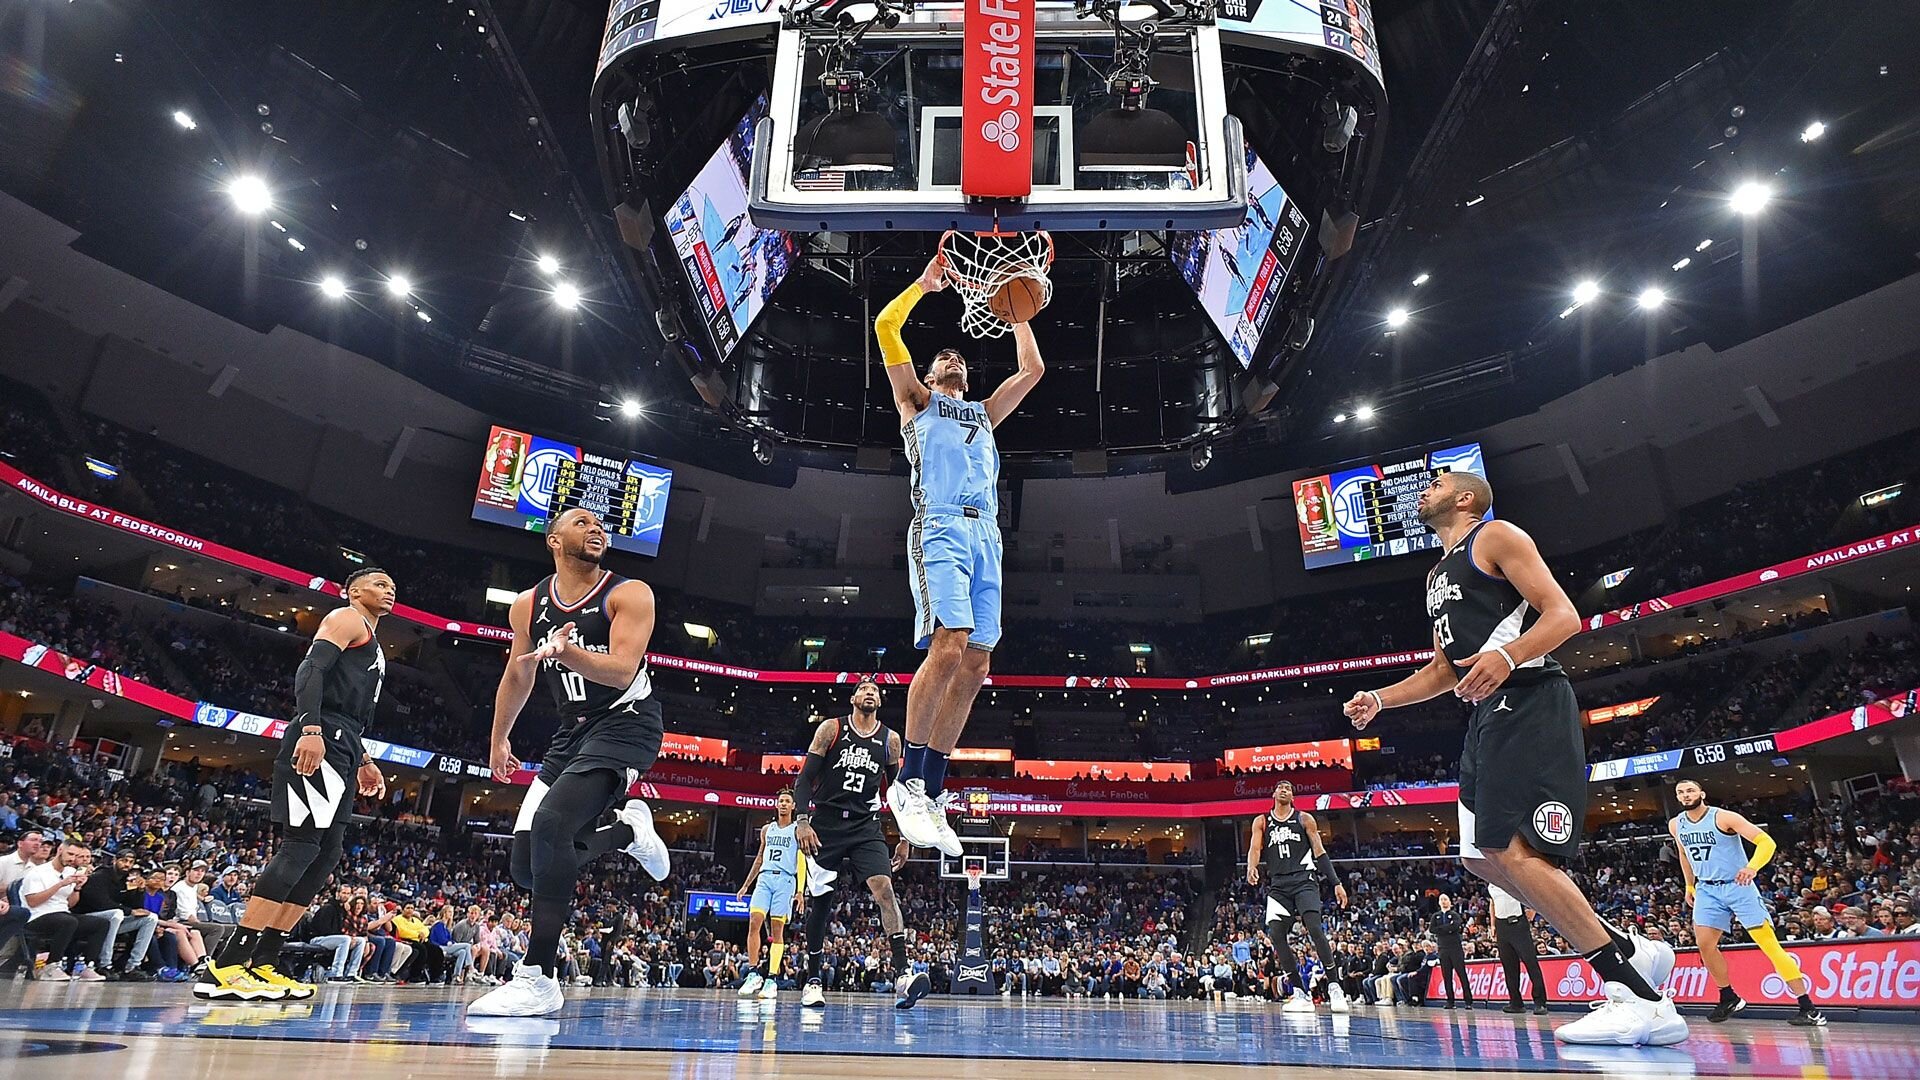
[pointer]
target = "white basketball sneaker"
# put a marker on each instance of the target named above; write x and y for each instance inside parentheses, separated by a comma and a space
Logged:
(913, 812)
(1299, 1002)
(1626, 1019)
(910, 988)
(944, 837)
(647, 847)
(1337, 998)
(1653, 960)
(814, 996)
(531, 992)
(752, 985)
(769, 989)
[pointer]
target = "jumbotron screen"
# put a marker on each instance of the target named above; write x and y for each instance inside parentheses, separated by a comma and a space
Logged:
(1368, 512)
(526, 481)
(1237, 273)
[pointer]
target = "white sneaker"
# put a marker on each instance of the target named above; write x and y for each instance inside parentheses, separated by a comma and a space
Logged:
(532, 992)
(910, 988)
(1626, 1019)
(87, 974)
(814, 996)
(819, 878)
(647, 847)
(913, 813)
(1653, 960)
(944, 837)
(752, 985)
(769, 989)
(1299, 1002)
(1337, 998)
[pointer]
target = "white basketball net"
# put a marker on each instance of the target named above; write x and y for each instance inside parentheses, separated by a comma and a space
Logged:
(979, 265)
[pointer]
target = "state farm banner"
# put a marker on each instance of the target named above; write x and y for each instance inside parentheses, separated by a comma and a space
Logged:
(996, 110)
(1870, 972)
(1334, 753)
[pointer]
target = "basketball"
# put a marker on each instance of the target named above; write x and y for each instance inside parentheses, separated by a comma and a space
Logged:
(1018, 300)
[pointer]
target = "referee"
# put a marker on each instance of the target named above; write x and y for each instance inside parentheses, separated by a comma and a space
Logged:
(1514, 935)
(1449, 930)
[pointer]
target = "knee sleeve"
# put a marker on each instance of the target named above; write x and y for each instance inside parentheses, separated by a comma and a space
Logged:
(520, 861)
(300, 847)
(1317, 933)
(322, 867)
(572, 804)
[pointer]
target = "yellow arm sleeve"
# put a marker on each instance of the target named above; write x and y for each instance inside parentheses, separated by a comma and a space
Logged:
(887, 326)
(1763, 850)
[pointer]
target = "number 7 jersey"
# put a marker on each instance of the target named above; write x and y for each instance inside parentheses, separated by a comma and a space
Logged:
(955, 461)
(574, 695)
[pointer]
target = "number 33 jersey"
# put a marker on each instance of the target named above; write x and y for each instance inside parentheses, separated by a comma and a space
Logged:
(1475, 612)
(575, 695)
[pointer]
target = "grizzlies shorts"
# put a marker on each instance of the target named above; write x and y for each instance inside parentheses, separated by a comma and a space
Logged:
(773, 895)
(953, 567)
(1718, 905)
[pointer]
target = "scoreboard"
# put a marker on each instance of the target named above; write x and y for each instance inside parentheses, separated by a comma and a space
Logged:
(1369, 512)
(527, 481)
(602, 485)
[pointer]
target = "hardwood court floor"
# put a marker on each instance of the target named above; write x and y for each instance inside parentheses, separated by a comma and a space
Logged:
(144, 1032)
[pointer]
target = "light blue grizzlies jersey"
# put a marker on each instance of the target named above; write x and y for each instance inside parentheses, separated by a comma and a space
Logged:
(955, 462)
(782, 850)
(1714, 855)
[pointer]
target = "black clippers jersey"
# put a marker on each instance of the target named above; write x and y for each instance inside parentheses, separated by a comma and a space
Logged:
(1473, 612)
(352, 686)
(1289, 855)
(574, 694)
(856, 766)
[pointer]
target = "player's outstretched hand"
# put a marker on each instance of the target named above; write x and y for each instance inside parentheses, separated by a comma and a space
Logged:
(1361, 708)
(503, 762)
(553, 645)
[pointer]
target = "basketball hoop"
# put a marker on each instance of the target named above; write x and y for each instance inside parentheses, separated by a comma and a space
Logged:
(980, 264)
(974, 874)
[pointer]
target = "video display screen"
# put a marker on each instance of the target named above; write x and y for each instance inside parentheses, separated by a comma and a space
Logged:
(1369, 512)
(526, 480)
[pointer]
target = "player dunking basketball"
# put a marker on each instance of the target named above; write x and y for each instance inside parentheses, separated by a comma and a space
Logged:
(953, 550)
(321, 754)
(1284, 847)
(1497, 613)
(838, 795)
(582, 632)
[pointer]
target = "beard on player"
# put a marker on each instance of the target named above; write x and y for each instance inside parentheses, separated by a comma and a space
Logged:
(1689, 794)
(577, 534)
(1282, 796)
(866, 698)
(948, 373)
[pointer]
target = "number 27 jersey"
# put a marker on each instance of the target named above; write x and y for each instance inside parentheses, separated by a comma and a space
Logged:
(575, 695)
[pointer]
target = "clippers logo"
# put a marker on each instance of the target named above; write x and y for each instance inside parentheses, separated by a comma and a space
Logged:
(1554, 822)
(996, 160)
(1003, 129)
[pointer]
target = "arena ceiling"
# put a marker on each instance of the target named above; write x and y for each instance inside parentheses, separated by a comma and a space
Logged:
(1531, 146)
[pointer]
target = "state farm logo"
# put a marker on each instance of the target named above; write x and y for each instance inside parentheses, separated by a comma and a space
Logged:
(1574, 983)
(1003, 129)
(1001, 82)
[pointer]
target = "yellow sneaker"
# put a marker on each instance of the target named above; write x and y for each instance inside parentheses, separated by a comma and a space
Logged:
(295, 989)
(233, 982)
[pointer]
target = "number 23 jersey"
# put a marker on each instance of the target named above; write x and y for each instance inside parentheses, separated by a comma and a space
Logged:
(575, 695)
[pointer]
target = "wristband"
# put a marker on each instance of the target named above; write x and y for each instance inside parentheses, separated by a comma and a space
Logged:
(366, 759)
(310, 730)
(1508, 657)
(1378, 705)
